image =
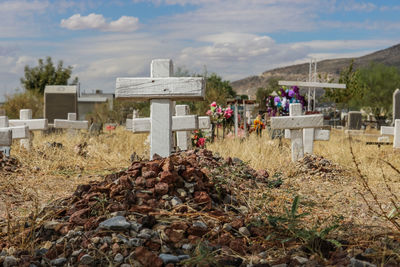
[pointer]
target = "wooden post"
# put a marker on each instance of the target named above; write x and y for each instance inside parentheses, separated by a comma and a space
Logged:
(236, 118)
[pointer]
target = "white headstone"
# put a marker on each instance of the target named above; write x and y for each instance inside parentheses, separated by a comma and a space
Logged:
(396, 105)
(161, 89)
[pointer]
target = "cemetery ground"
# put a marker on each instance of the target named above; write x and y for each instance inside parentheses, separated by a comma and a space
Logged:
(283, 213)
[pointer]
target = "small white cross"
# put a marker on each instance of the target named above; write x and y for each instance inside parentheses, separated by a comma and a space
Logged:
(296, 123)
(71, 123)
(309, 136)
(17, 132)
(25, 118)
(395, 131)
(161, 89)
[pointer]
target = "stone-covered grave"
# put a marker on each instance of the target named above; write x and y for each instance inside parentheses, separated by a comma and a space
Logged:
(190, 209)
(154, 213)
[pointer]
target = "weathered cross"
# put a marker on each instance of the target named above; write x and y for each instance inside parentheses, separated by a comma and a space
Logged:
(296, 123)
(17, 132)
(25, 118)
(395, 131)
(71, 123)
(183, 137)
(162, 89)
(309, 136)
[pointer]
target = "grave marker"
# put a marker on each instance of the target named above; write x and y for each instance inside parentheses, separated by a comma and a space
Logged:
(309, 136)
(396, 105)
(17, 132)
(354, 120)
(183, 138)
(25, 118)
(71, 123)
(296, 123)
(395, 131)
(161, 89)
(59, 100)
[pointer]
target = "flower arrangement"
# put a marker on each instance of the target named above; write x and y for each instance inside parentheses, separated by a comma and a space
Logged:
(199, 139)
(219, 114)
(279, 105)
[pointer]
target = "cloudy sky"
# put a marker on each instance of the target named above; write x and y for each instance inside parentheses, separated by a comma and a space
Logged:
(103, 40)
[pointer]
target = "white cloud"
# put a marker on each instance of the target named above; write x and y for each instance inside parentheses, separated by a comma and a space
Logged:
(98, 22)
(23, 6)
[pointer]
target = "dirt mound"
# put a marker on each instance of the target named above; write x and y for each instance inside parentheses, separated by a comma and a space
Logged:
(318, 166)
(175, 210)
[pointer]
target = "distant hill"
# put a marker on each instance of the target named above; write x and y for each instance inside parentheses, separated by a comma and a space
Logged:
(332, 67)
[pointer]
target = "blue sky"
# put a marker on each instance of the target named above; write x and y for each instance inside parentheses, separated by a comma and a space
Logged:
(103, 40)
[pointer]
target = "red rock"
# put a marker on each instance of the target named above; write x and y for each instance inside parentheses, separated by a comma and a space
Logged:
(188, 173)
(152, 203)
(161, 188)
(168, 165)
(115, 248)
(201, 197)
(144, 196)
(125, 182)
(225, 239)
(77, 219)
(151, 182)
(149, 174)
(140, 181)
(103, 247)
(175, 236)
(179, 226)
(134, 173)
(147, 258)
(168, 177)
(193, 239)
(237, 223)
(135, 166)
(238, 245)
(153, 166)
(141, 209)
(153, 246)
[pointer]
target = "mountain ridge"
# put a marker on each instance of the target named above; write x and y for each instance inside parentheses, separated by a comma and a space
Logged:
(330, 67)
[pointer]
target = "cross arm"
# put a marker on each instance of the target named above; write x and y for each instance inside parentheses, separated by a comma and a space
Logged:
(67, 124)
(190, 88)
(313, 84)
(387, 130)
(297, 122)
(179, 123)
(34, 124)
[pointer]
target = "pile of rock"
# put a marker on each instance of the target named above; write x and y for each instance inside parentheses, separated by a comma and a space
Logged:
(9, 164)
(161, 212)
(318, 166)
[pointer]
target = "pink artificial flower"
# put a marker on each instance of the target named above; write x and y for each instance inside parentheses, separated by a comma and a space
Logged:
(201, 142)
(219, 110)
(228, 113)
(213, 104)
(209, 112)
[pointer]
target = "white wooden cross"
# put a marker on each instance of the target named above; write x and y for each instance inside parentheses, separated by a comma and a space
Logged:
(395, 131)
(17, 132)
(162, 89)
(296, 123)
(309, 136)
(25, 118)
(183, 137)
(315, 85)
(71, 123)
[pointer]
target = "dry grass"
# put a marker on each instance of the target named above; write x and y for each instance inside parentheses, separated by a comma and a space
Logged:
(49, 173)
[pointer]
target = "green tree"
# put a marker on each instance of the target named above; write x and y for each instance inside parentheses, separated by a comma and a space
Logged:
(262, 93)
(36, 78)
(355, 88)
(380, 82)
(29, 100)
(216, 90)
